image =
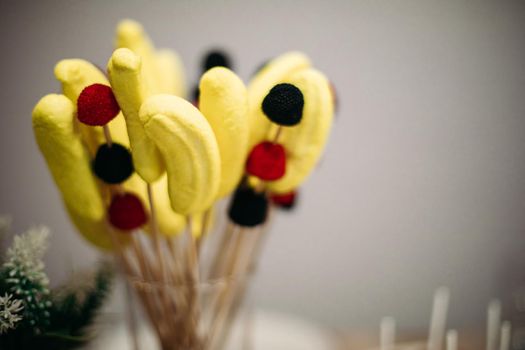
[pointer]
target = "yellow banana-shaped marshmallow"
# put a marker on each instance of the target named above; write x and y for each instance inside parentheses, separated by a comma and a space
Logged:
(274, 72)
(171, 80)
(170, 222)
(189, 148)
(69, 163)
(305, 142)
(163, 70)
(127, 82)
(223, 101)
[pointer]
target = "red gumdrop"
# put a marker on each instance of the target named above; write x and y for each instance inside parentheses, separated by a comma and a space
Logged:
(267, 161)
(286, 200)
(96, 105)
(126, 212)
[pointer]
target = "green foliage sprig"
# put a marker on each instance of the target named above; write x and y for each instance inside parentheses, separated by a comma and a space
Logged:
(32, 316)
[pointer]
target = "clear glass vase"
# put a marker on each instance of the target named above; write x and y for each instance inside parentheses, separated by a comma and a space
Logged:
(192, 290)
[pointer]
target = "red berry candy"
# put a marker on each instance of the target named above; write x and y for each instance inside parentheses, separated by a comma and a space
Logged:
(267, 161)
(126, 212)
(286, 200)
(96, 105)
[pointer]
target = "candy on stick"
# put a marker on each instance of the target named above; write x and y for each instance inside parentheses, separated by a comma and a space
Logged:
(96, 105)
(69, 162)
(185, 138)
(305, 142)
(126, 77)
(126, 212)
(113, 163)
(224, 103)
(276, 71)
(248, 208)
(284, 105)
(267, 161)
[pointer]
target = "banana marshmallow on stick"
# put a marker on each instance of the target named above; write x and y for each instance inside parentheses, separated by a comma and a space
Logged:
(299, 109)
(305, 142)
(224, 103)
(133, 69)
(188, 145)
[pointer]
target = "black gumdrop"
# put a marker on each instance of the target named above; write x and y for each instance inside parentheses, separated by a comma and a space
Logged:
(284, 105)
(248, 208)
(113, 163)
(216, 59)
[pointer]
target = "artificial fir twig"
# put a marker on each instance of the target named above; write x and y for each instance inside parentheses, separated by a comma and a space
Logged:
(32, 316)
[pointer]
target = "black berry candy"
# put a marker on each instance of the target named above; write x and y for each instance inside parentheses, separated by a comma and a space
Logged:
(284, 105)
(216, 59)
(113, 163)
(248, 208)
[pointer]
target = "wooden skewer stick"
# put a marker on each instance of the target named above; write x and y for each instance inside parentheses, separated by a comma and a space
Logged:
(387, 333)
(156, 236)
(192, 281)
(125, 265)
(234, 271)
(505, 336)
(439, 319)
(204, 229)
(222, 251)
(107, 135)
(132, 324)
(277, 134)
(255, 248)
(167, 299)
(493, 324)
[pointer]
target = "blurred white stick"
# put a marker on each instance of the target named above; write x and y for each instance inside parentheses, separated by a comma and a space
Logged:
(505, 336)
(439, 319)
(493, 324)
(388, 333)
(452, 340)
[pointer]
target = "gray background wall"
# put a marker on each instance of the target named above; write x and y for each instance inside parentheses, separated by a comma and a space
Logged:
(423, 183)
